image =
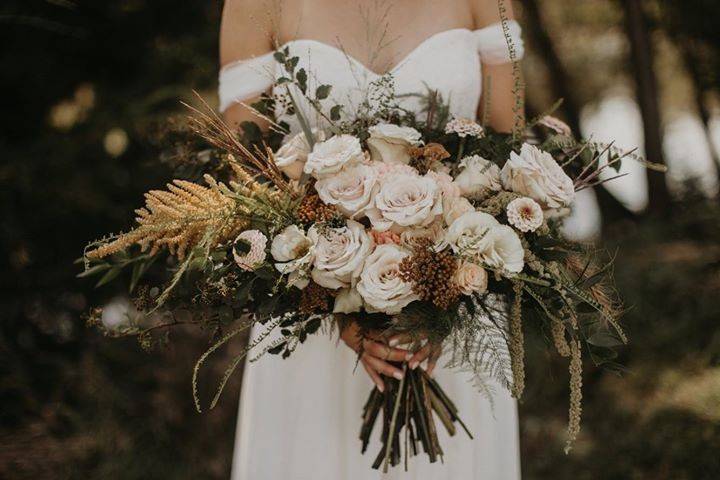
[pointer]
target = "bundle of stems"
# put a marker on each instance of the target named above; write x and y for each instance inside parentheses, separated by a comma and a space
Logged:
(408, 410)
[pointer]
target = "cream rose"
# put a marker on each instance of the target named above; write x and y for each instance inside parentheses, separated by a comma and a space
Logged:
(332, 155)
(389, 143)
(339, 255)
(471, 278)
(479, 235)
(477, 174)
(468, 234)
(405, 200)
(294, 252)
(504, 250)
(380, 285)
(434, 232)
(454, 208)
(348, 300)
(351, 190)
(536, 174)
(292, 155)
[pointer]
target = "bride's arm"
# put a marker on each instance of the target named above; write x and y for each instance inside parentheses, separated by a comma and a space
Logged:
(498, 99)
(245, 33)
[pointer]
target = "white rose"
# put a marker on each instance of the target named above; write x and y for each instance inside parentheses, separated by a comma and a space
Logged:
(294, 253)
(524, 214)
(292, 155)
(434, 232)
(331, 155)
(448, 187)
(405, 200)
(389, 143)
(504, 250)
(339, 255)
(351, 190)
(478, 174)
(468, 234)
(536, 174)
(348, 300)
(480, 235)
(454, 208)
(380, 285)
(471, 278)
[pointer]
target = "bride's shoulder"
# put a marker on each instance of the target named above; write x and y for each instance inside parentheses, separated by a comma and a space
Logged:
(246, 30)
(486, 12)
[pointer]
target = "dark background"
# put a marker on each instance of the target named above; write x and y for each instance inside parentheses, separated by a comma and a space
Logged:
(85, 82)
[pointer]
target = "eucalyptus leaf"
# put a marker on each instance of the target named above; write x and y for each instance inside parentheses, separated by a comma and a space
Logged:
(322, 92)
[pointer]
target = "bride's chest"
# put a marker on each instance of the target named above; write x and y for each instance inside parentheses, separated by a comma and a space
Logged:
(447, 62)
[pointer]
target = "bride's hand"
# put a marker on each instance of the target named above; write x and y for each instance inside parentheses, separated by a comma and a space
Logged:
(430, 352)
(375, 354)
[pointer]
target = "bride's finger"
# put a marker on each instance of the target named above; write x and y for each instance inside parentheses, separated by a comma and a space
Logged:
(403, 338)
(382, 351)
(373, 376)
(432, 361)
(420, 356)
(382, 366)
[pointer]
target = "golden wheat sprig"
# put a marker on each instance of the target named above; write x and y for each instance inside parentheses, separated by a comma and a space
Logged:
(178, 219)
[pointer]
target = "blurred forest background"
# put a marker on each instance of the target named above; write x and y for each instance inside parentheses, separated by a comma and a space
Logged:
(85, 84)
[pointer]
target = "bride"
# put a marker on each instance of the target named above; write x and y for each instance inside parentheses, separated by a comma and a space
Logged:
(301, 419)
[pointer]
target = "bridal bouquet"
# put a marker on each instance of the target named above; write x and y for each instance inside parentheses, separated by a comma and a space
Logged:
(421, 224)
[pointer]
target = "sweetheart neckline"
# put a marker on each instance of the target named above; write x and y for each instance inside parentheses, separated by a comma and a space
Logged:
(394, 68)
(397, 64)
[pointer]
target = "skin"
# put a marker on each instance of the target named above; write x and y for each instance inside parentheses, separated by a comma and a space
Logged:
(253, 27)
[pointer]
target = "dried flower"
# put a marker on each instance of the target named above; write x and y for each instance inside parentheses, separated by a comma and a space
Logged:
(315, 299)
(525, 214)
(432, 274)
(427, 157)
(382, 238)
(464, 127)
(249, 249)
(312, 209)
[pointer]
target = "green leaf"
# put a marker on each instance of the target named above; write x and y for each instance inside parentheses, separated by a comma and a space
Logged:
(109, 276)
(279, 57)
(322, 92)
(335, 112)
(292, 63)
(276, 349)
(100, 267)
(312, 326)
(604, 339)
(301, 78)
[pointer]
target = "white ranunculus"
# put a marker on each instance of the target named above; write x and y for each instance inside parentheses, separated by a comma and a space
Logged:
(348, 300)
(352, 189)
(339, 255)
(536, 174)
(454, 208)
(405, 200)
(290, 244)
(524, 214)
(504, 250)
(294, 252)
(380, 285)
(478, 174)
(389, 143)
(292, 155)
(332, 155)
(468, 234)
(471, 278)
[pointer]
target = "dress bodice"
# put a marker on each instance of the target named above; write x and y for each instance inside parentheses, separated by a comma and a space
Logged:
(448, 62)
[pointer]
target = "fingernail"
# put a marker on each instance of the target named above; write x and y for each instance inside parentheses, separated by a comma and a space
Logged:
(413, 365)
(398, 375)
(380, 387)
(423, 367)
(393, 342)
(409, 356)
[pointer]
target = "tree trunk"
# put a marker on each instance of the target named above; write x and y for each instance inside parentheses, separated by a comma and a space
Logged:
(611, 208)
(699, 86)
(641, 49)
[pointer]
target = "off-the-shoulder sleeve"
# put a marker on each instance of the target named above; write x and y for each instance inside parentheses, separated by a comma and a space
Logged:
(245, 79)
(493, 46)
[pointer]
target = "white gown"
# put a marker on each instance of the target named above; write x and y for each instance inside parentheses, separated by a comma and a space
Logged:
(300, 418)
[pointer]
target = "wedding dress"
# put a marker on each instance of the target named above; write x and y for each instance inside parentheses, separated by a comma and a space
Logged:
(300, 418)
